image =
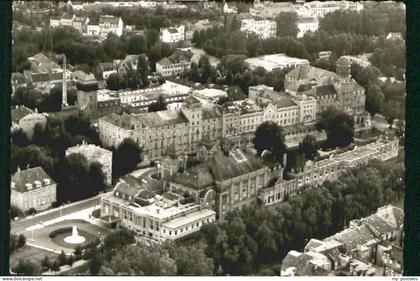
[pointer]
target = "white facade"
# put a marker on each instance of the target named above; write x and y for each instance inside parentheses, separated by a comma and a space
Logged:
(262, 28)
(147, 4)
(162, 219)
(172, 34)
(319, 9)
(276, 61)
(93, 29)
(306, 25)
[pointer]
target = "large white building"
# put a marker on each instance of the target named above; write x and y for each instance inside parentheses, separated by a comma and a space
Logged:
(172, 34)
(94, 153)
(319, 9)
(276, 61)
(159, 217)
(107, 24)
(209, 95)
(139, 100)
(263, 28)
(306, 25)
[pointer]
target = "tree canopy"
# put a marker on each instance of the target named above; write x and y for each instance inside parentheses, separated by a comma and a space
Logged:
(308, 147)
(338, 125)
(269, 136)
(126, 157)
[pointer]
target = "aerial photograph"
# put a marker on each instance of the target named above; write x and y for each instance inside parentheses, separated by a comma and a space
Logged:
(207, 138)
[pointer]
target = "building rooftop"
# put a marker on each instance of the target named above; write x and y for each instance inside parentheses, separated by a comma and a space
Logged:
(188, 218)
(210, 93)
(161, 118)
(108, 19)
(90, 151)
(219, 168)
(310, 72)
(197, 53)
(355, 154)
(19, 112)
(354, 236)
(30, 179)
(41, 63)
(126, 121)
(271, 62)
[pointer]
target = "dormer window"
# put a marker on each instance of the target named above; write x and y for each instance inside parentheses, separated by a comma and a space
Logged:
(28, 186)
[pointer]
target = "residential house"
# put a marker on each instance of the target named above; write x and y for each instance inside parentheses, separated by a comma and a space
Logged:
(174, 65)
(32, 188)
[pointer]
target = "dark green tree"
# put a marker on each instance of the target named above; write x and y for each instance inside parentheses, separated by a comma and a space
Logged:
(338, 125)
(26, 267)
(126, 157)
(269, 136)
(158, 105)
(308, 147)
(143, 69)
(286, 24)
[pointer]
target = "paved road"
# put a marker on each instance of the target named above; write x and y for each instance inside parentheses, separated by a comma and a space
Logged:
(18, 226)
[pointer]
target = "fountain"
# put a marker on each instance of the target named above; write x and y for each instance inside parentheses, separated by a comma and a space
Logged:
(74, 238)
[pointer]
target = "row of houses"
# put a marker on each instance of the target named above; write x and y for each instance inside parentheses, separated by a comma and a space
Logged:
(370, 246)
(315, 173)
(106, 24)
(308, 91)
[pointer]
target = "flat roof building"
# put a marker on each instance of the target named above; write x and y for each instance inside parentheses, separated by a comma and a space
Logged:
(276, 61)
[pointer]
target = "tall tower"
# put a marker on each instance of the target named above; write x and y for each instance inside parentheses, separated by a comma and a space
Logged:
(64, 83)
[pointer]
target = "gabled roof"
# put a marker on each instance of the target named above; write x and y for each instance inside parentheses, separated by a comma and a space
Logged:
(40, 77)
(223, 167)
(67, 16)
(387, 219)
(165, 61)
(30, 176)
(198, 177)
(179, 55)
(353, 236)
(300, 261)
(218, 168)
(107, 66)
(310, 72)
(108, 19)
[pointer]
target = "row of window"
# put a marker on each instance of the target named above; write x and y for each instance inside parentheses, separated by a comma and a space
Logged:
(188, 227)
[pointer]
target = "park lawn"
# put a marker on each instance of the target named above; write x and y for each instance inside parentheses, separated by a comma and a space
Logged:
(32, 254)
